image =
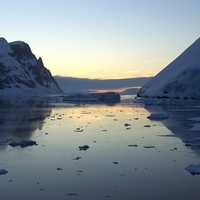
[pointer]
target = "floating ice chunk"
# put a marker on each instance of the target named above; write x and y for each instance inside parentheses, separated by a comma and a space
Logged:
(23, 143)
(3, 171)
(132, 145)
(77, 158)
(126, 124)
(193, 169)
(196, 127)
(83, 148)
(147, 126)
(78, 130)
(149, 147)
(157, 116)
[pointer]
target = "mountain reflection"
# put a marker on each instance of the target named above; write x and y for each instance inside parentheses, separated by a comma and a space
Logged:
(178, 123)
(20, 117)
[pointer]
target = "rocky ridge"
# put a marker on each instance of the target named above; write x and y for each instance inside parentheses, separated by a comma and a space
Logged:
(22, 72)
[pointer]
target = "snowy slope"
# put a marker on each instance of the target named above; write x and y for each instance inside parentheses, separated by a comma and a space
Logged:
(180, 79)
(21, 72)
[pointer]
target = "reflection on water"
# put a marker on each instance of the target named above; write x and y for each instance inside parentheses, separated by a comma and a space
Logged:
(127, 158)
(19, 118)
(180, 111)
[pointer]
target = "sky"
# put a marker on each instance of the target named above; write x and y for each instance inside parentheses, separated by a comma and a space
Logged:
(105, 39)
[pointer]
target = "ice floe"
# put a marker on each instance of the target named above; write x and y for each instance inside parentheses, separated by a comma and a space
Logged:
(3, 171)
(193, 169)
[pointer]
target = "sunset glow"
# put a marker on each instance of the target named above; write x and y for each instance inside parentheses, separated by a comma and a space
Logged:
(102, 39)
(118, 90)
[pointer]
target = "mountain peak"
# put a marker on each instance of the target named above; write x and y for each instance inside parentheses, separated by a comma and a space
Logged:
(180, 79)
(4, 46)
(21, 50)
(21, 72)
(2, 40)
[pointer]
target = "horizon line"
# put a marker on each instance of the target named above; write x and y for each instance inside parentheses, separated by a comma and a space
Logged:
(102, 78)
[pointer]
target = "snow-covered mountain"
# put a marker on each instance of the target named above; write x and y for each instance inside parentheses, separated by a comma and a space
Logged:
(180, 79)
(130, 91)
(21, 72)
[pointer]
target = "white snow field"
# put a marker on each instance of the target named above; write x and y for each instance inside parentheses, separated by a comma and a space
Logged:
(180, 79)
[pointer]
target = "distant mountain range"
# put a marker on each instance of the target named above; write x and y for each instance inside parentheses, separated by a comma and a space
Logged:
(84, 85)
(180, 79)
(21, 72)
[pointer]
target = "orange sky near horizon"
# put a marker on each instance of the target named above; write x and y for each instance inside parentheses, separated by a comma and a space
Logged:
(105, 39)
(118, 90)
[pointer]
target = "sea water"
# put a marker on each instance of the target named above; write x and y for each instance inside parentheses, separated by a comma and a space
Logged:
(129, 155)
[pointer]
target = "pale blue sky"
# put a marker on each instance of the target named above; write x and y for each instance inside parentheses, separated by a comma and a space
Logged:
(102, 38)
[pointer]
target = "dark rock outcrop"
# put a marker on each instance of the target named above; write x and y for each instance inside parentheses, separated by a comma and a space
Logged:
(22, 72)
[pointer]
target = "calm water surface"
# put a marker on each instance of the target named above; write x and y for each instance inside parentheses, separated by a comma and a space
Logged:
(129, 156)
